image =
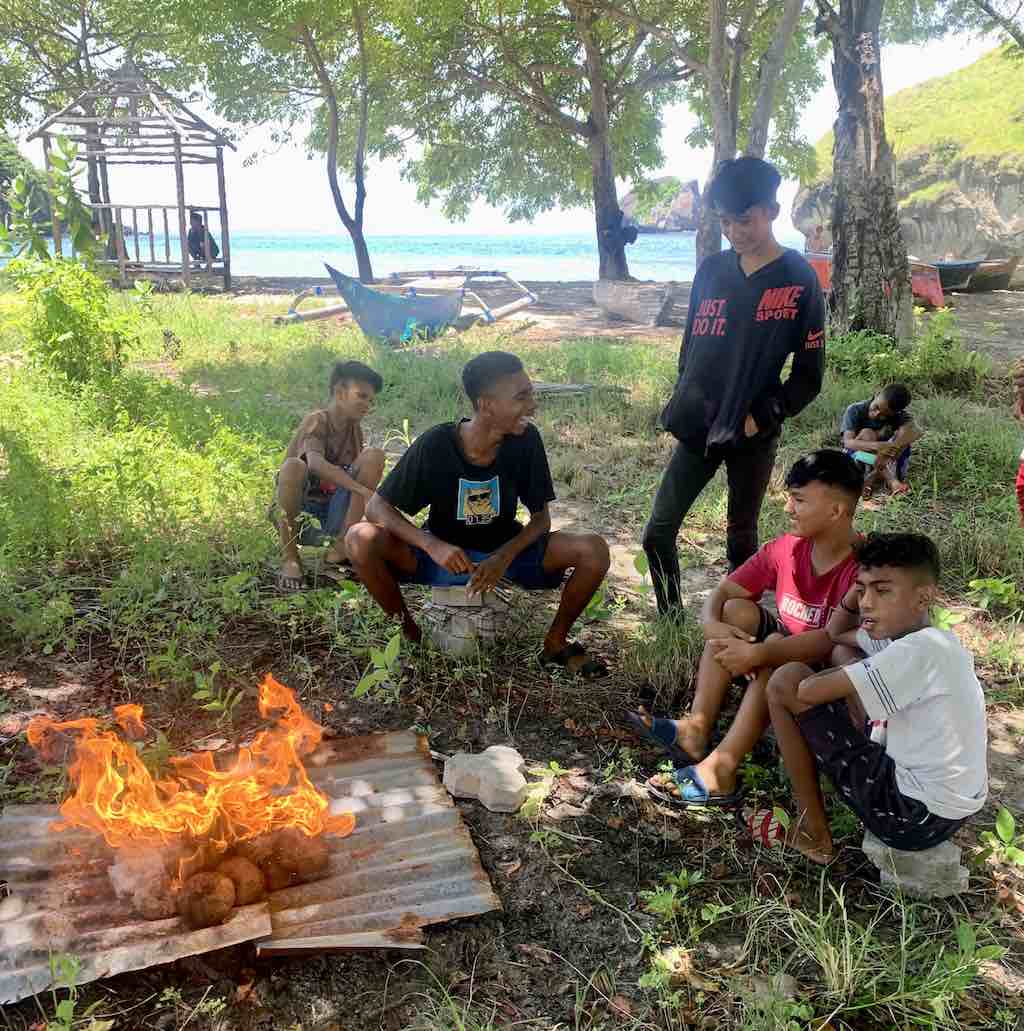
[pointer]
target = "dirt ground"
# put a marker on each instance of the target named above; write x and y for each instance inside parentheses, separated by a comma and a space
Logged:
(990, 322)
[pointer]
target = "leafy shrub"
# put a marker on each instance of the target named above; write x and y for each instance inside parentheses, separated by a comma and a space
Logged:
(71, 326)
(935, 360)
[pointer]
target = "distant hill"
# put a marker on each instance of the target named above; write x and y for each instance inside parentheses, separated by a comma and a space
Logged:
(665, 205)
(959, 147)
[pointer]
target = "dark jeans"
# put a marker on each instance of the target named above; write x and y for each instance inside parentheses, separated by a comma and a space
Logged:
(748, 467)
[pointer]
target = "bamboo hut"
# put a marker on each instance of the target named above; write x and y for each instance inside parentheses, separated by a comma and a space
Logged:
(128, 120)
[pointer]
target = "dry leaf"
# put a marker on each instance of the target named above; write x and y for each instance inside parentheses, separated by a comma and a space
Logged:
(678, 964)
(620, 1006)
(719, 871)
(509, 869)
(244, 991)
(537, 952)
(616, 823)
(328, 707)
(584, 910)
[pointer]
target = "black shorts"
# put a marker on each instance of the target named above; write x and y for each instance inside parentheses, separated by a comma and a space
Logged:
(768, 625)
(865, 778)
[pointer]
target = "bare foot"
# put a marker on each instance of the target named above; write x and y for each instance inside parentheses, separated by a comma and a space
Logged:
(899, 487)
(820, 852)
(336, 553)
(290, 577)
(717, 781)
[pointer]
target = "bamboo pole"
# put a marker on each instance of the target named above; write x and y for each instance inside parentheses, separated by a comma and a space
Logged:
(135, 232)
(179, 175)
(57, 232)
(225, 238)
(121, 256)
(167, 237)
(152, 238)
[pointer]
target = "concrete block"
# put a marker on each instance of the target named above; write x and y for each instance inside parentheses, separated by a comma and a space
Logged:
(933, 873)
(459, 623)
(494, 777)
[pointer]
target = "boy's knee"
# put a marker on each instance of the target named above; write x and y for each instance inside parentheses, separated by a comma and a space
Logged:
(596, 553)
(293, 470)
(374, 458)
(868, 436)
(785, 680)
(742, 614)
(362, 541)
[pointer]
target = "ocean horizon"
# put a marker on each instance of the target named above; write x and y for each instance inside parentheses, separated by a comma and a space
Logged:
(557, 257)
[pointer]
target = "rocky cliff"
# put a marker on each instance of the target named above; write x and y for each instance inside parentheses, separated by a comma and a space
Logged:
(665, 205)
(959, 147)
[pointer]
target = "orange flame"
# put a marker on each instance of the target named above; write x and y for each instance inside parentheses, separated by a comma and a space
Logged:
(265, 789)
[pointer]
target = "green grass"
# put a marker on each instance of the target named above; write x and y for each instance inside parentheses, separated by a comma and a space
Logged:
(974, 113)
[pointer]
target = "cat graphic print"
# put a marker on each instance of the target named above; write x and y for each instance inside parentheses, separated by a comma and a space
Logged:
(479, 501)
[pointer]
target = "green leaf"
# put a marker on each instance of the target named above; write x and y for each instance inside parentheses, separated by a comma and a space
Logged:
(377, 658)
(782, 817)
(1006, 826)
(1015, 855)
(641, 564)
(989, 952)
(203, 692)
(966, 938)
(362, 687)
(391, 651)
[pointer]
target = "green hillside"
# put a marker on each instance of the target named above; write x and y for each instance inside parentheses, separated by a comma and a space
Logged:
(977, 112)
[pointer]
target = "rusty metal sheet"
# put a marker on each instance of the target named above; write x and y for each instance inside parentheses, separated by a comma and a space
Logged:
(63, 903)
(409, 862)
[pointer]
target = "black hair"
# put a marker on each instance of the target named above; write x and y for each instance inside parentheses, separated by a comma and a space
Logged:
(831, 467)
(896, 396)
(195, 216)
(741, 183)
(355, 372)
(486, 369)
(912, 551)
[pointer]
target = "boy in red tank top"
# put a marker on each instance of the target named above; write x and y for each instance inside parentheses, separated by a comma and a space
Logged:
(810, 571)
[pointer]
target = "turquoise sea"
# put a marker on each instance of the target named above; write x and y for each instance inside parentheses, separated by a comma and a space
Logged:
(658, 256)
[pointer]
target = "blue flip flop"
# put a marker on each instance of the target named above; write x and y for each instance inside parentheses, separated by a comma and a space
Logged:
(693, 792)
(662, 733)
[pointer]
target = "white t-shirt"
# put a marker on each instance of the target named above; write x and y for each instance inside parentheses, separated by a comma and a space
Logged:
(923, 685)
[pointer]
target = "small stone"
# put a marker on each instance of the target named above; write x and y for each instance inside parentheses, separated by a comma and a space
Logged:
(494, 777)
(459, 623)
(11, 908)
(934, 873)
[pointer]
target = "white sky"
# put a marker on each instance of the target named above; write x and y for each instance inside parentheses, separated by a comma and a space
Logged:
(288, 192)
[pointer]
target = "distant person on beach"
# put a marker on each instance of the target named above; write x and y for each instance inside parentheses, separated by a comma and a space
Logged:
(817, 242)
(922, 772)
(751, 308)
(198, 237)
(328, 473)
(472, 475)
(881, 428)
(810, 570)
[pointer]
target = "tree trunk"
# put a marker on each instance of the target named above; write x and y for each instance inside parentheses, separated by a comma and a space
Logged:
(870, 271)
(709, 231)
(354, 226)
(771, 66)
(611, 246)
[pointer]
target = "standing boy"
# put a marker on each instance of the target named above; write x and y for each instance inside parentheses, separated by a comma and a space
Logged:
(472, 475)
(751, 307)
(923, 773)
(882, 426)
(327, 472)
(810, 570)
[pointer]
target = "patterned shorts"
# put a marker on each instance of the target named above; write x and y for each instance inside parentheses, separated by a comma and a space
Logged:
(865, 778)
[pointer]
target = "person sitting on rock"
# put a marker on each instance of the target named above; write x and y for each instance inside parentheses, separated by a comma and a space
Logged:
(810, 570)
(882, 427)
(471, 475)
(922, 772)
(327, 472)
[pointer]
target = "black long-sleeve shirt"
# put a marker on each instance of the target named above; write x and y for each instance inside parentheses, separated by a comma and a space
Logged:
(197, 237)
(739, 332)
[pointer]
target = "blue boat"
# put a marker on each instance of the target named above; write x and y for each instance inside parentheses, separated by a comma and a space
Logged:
(397, 318)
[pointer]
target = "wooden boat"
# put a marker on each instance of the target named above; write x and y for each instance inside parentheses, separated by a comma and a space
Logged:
(409, 304)
(925, 281)
(993, 275)
(956, 275)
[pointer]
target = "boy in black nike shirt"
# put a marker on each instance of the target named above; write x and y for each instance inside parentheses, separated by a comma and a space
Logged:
(472, 475)
(751, 307)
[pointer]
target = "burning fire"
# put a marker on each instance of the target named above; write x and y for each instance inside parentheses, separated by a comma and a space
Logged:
(266, 788)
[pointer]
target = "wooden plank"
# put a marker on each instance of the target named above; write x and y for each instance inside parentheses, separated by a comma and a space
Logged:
(225, 238)
(152, 238)
(121, 256)
(135, 232)
(167, 237)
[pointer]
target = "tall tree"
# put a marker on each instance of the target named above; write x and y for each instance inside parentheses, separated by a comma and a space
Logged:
(301, 62)
(870, 270)
(534, 103)
(753, 65)
(1004, 16)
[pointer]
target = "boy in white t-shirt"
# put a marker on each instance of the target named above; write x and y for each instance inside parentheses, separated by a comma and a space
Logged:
(925, 771)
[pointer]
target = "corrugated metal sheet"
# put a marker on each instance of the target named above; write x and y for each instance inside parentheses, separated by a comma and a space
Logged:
(409, 862)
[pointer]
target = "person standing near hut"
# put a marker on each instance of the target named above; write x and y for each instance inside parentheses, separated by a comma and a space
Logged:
(199, 239)
(751, 307)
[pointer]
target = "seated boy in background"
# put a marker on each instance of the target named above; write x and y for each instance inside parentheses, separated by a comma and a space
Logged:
(923, 772)
(327, 472)
(882, 426)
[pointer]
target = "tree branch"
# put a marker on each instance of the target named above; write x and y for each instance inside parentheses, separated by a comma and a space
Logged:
(771, 67)
(1015, 32)
(663, 35)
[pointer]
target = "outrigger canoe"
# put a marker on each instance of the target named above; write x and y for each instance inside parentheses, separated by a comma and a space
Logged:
(924, 278)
